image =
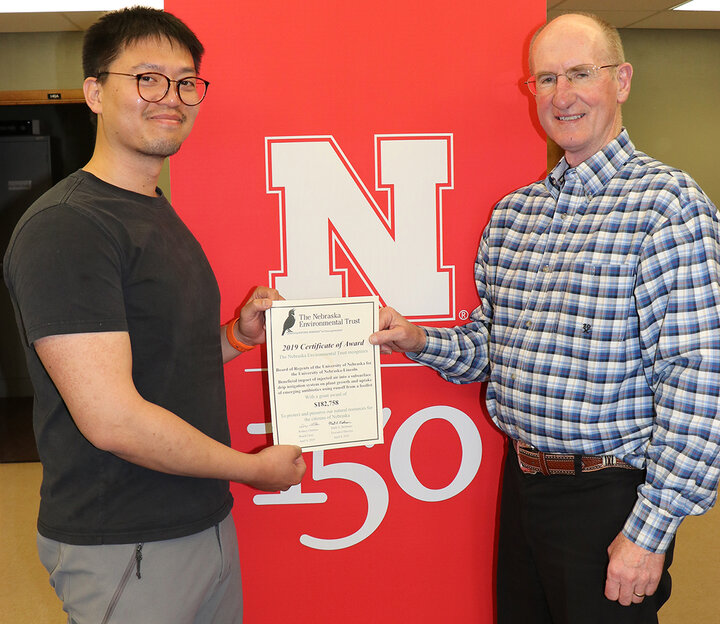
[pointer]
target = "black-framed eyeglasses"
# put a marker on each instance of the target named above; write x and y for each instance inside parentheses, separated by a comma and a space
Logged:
(154, 86)
(579, 77)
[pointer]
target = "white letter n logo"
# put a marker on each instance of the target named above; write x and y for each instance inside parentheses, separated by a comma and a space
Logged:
(325, 209)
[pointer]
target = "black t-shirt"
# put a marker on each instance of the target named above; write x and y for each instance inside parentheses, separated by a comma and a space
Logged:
(90, 257)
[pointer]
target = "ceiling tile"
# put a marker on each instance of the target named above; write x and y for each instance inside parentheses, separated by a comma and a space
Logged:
(708, 20)
(619, 19)
(595, 6)
(640, 13)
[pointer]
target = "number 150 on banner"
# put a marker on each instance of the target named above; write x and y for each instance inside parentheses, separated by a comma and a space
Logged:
(372, 483)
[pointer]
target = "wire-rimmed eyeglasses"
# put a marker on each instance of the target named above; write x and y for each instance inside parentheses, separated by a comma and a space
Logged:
(154, 86)
(579, 77)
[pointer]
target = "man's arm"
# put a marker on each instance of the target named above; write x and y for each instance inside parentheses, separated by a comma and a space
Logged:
(93, 373)
(250, 328)
(678, 303)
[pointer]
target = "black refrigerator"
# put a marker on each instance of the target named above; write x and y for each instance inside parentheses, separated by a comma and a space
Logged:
(25, 174)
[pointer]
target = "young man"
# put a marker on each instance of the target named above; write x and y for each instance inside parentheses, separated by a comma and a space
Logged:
(120, 313)
(598, 332)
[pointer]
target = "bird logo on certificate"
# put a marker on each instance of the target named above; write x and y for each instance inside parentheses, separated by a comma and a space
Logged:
(323, 373)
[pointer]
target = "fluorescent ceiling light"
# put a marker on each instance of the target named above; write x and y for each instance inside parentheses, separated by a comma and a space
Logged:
(68, 6)
(699, 5)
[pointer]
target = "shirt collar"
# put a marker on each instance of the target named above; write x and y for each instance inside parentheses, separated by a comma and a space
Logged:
(557, 175)
(595, 172)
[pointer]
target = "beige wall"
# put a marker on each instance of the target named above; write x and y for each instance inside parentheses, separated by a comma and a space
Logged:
(48, 61)
(40, 61)
(672, 113)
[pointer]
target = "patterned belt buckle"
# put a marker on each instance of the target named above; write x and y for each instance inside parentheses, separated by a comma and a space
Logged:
(608, 460)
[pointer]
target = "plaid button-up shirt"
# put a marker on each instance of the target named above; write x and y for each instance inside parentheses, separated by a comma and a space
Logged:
(599, 327)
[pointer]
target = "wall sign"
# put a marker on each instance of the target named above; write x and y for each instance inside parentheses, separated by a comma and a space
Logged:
(352, 149)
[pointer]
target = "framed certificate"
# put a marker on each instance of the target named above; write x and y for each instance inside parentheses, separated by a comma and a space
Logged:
(324, 375)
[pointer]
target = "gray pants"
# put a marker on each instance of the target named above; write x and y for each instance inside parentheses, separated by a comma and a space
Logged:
(190, 580)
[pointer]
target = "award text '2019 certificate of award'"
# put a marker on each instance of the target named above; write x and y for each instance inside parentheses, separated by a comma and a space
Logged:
(324, 375)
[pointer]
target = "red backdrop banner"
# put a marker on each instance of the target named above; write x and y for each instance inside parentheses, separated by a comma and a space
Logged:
(352, 148)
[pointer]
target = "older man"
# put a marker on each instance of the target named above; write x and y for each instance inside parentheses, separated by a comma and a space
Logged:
(598, 330)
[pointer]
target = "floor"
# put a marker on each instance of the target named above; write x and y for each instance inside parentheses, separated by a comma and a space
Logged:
(27, 598)
(25, 594)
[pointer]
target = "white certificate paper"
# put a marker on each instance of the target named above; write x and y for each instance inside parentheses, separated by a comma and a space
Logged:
(324, 375)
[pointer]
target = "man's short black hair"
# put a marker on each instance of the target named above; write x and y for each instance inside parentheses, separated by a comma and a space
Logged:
(105, 39)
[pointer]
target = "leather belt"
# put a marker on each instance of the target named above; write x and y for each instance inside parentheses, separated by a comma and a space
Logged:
(533, 461)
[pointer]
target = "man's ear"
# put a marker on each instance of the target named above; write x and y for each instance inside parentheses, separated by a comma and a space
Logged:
(623, 74)
(93, 94)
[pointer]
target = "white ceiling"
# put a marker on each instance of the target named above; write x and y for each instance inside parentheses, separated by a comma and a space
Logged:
(620, 13)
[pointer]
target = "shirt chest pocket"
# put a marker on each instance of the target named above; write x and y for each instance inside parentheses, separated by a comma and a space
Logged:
(597, 308)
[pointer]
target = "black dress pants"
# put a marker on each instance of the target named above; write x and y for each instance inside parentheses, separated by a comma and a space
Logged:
(552, 550)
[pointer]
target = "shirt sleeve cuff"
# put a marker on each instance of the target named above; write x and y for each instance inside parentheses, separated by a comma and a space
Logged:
(433, 345)
(651, 528)
(415, 355)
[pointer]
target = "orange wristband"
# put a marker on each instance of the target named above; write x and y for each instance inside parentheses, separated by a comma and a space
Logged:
(234, 342)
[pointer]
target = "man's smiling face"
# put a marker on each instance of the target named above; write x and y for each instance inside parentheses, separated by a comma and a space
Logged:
(580, 121)
(130, 123)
